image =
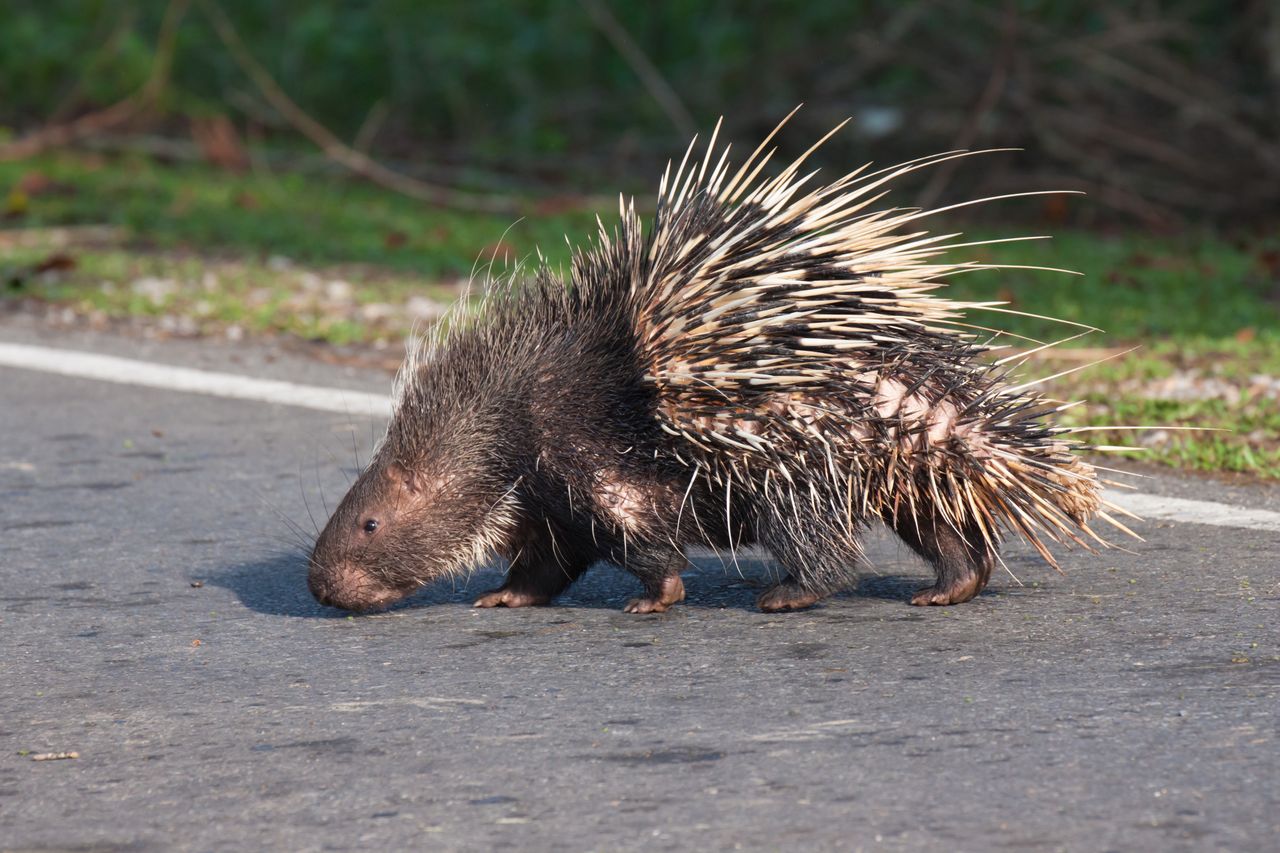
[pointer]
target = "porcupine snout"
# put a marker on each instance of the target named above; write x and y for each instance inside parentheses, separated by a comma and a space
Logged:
(348, 586)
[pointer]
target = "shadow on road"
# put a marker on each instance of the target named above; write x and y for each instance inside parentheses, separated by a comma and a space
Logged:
(889, 587)
(277, 585)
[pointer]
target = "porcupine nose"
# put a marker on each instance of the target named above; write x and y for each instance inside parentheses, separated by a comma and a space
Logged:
(318, 583)
(348, 586)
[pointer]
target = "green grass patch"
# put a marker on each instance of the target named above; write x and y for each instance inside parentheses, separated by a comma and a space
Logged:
(192, 294)
(1237, 431)
(1134, 287)
(310, 219)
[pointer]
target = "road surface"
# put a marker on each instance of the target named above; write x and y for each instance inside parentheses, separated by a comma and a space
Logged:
(154, 619)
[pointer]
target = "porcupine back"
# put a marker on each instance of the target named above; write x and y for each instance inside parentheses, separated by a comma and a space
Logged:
(800, 351)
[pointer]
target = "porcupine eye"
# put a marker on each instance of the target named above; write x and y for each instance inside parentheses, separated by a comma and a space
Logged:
(370, 525)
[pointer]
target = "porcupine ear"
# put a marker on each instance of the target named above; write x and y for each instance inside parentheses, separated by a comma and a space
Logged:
(402, 477)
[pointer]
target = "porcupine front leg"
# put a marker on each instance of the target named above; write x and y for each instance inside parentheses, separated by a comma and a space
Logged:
(543, 567)
(961, 558)
(659, 569)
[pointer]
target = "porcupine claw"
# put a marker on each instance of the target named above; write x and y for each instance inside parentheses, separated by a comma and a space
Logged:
(506, 596)
(956, 592)
(786, 596)
(672, 592)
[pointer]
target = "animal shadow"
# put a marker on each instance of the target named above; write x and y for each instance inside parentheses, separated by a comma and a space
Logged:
(276, 585)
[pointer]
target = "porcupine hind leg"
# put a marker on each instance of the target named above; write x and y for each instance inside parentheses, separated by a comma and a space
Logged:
(543, 567)
(658, 568)
(815, 568)
(961, 558)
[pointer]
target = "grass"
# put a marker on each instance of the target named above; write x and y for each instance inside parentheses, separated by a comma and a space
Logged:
(191, 294)
(1136, 287)
(199, 251)
(1203, 312)
(302, 217)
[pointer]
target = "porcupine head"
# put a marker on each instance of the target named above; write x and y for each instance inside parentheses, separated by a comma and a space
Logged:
(434, 496)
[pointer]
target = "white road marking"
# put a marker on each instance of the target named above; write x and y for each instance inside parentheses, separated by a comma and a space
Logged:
(129, 371)
(1199, 512)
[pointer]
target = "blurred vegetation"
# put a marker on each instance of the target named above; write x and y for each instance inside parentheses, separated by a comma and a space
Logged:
(320, 220)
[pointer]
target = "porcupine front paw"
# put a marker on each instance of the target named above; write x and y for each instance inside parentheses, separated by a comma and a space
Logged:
(949, 591)
(510, 596)
(787, 595)
(671, 592)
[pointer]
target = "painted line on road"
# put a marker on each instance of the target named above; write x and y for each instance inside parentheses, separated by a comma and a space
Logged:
(1200, 512)
(127, 371)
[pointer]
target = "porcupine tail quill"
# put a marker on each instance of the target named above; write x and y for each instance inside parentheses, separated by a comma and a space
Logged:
(788, 327)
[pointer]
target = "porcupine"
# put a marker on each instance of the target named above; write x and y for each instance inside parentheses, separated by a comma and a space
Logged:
(769, 366)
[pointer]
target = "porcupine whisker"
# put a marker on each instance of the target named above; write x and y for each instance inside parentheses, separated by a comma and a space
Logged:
(303, 492)
(1117, 483)
(1140, 427)
(555, 547)
(1125, 512)
(291, 542)
(976, 267)
(684, 500)
(929, 160)
(728, 521)
(995, 307)
(493, 256)
(1001, 197)
(352, 430)
(304, 541)
(1024, 239)
(851, 190)
(315, 470)
(299, 537)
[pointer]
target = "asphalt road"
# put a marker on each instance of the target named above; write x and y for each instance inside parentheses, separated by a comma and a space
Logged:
(154, 618)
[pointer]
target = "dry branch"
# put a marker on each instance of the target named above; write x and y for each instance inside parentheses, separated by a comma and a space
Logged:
(335, 148)
(659, 89)
(60, 135)
(941, 176)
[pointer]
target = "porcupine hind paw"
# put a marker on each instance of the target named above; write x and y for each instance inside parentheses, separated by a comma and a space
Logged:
(670, 592)
(509, 595)
(952, 590)
(961, 559)
(787, 595)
